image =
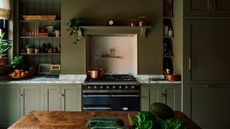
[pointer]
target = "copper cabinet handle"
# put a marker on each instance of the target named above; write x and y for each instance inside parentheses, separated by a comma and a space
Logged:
(62, 95)
(20, 95)
(163, 95)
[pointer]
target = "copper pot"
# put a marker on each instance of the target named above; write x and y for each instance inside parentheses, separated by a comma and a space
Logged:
(96, 73)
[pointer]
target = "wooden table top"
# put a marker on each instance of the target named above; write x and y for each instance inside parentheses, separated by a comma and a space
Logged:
(76, 120)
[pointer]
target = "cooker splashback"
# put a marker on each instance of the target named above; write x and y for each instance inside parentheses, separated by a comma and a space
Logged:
(113, 53)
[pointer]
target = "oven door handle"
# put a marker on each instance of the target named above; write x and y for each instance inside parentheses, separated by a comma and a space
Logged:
(97, 108)
(125, 95)
(96, 95)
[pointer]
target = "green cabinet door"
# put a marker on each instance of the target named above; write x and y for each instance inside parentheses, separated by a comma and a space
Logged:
(52, 97)
(207, 8)
(71, 97)
(62, 97)
(30, 98)
(144, 97)
(11, 99)
(210, 105)
(206, 50)
(169, 94)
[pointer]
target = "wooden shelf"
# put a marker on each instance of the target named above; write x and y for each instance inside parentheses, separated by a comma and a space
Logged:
(37, 37)
(40, 54)
(40, 21)
(115, 30)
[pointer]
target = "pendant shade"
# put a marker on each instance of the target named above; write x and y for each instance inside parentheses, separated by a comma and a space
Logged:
(4, 9)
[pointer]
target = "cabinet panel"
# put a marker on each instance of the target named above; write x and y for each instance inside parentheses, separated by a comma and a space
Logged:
(144, 98)
(207, 8)
(30, 99)
(208, 44)
(169, 94)
(210, 107)
(52, 98)
(71, 99)
(11, 104)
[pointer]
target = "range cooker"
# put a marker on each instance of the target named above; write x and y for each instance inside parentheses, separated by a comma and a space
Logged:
(116, 92)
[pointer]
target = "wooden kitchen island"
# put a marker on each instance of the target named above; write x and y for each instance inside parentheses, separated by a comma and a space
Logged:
(76, 120)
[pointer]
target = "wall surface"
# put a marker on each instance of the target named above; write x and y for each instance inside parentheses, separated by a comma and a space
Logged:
(98, 12)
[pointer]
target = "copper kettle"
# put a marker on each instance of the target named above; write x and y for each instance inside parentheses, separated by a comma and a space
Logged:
(96, 73)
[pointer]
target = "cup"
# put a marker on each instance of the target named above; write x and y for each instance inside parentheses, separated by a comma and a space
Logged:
(57, 33)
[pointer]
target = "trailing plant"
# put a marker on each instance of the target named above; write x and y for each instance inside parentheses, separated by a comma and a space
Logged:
(73, 26)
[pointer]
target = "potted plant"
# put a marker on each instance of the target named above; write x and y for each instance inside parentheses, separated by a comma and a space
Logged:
(4, 48)
(30, 48)
(74, 28)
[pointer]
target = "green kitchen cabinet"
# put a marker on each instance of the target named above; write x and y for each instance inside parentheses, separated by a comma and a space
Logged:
(207, 8)
(206, 50)
(209, 105)
(30, 98)
(11, 100)
(167, 93)
(62, 97)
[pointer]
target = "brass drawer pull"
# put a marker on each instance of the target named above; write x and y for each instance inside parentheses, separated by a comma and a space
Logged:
(163, 95)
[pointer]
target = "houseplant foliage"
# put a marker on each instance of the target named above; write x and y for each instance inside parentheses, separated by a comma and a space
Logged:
(73, 26)
(4, 45)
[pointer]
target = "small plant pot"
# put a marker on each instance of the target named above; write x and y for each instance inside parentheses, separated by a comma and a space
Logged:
(30, 50)
(36, 50)
(57, 33)
(3, 61)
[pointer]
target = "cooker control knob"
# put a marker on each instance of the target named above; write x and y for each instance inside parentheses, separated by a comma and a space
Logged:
(95, 87)
(120, 87)
(114, 87)
(101, 87)
(107, 87)
(126, 87)
(88, 87)
(133, 87)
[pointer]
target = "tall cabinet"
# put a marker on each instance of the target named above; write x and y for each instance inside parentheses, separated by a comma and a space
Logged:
(206, 64)
(38, 27)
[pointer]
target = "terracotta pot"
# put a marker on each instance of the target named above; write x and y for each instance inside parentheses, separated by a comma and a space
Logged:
(3, 61)
(96, 74)
(30, 50)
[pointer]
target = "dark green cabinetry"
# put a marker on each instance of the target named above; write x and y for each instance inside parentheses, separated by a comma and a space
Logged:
(208, 46)
(206, 65)
(169, 94)
(207, 8)
(210, 106)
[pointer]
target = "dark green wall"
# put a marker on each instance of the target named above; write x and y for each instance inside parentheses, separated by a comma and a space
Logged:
(97, 12)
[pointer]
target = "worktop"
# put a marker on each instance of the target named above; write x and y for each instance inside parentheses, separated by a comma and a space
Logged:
(69, 78)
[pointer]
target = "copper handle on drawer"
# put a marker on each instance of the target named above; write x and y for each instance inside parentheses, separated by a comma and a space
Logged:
(163, 95)
(62, 95)
(20, 95)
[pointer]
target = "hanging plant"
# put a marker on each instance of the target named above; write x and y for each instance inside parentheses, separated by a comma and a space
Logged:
(73, 26)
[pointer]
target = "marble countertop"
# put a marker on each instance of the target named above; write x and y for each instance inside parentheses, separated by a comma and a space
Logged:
(69, 78)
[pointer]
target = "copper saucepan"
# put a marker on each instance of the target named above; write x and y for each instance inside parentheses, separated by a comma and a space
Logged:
(96, 73)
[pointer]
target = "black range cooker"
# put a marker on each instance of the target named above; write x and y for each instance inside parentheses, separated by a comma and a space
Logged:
(116, 92)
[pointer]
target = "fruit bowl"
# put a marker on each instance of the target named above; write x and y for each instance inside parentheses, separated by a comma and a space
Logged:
(19, 74)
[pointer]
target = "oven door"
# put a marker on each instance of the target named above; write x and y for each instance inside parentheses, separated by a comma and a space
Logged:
(125, 102)
(96, 102)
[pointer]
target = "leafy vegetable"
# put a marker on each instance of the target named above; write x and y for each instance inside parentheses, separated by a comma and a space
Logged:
(172, 124)
(143, 120)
